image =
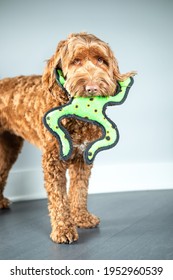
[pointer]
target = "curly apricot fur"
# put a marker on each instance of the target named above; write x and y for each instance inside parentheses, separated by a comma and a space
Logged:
(24, 100)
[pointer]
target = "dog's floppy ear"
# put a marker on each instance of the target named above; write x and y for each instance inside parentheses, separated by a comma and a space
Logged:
(116, 72)
(48, 78)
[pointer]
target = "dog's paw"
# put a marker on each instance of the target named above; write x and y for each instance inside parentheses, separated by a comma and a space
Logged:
(85, 219)
(4, 203)
(64, 233)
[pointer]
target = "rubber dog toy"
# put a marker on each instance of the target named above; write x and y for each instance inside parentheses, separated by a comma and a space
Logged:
(90, 109)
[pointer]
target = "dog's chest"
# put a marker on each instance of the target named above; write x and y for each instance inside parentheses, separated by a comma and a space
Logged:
(81, 132)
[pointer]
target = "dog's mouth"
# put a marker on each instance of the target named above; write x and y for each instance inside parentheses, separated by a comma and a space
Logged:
(84, 88)
(81, 85)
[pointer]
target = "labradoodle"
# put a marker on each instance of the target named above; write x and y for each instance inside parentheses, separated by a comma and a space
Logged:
(89, 68)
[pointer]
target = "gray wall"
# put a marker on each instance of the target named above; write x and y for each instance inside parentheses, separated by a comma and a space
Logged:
(140, 34)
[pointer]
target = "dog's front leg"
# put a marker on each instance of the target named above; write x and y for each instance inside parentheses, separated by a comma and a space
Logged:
(79, 177)
(63, 228)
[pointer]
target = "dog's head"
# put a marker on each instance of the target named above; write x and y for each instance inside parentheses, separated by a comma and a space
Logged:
(88, 66)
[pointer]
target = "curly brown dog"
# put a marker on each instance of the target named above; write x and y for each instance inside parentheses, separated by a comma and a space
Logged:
(89, 68)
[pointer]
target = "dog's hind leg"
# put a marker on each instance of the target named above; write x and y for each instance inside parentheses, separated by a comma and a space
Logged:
(79, 178)
(10, 146)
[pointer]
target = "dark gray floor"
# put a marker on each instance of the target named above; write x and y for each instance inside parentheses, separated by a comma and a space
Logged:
(134, 225)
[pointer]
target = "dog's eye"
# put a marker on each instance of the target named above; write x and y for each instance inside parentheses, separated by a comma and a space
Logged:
(100, 60)
(76, 61)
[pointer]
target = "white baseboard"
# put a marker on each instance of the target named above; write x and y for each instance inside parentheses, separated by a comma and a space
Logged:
(25, 184)
(28, 184)
(132, 177)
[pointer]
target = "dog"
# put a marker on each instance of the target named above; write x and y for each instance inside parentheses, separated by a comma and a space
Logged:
(90, 69)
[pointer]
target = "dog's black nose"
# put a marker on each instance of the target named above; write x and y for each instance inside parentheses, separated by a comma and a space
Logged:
(91, 88)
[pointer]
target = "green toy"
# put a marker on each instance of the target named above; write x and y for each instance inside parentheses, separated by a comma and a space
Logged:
(89, 109)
